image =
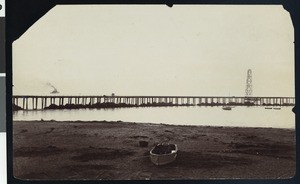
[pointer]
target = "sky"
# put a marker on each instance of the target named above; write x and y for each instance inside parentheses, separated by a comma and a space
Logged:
(201, 50)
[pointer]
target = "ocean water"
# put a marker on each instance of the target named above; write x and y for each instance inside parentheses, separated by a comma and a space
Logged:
(194, 115)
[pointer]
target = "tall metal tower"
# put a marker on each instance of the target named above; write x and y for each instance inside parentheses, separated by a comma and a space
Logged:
(249, 83)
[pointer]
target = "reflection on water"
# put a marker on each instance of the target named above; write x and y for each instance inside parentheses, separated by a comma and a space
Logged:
(212, 116)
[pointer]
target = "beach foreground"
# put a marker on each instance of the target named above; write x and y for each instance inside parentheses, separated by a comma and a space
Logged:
(110, 150)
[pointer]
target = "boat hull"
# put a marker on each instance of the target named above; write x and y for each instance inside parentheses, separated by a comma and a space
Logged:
(226, 108)
(163, 159)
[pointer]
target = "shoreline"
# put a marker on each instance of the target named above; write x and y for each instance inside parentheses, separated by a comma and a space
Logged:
(147, 123)
(110, 150)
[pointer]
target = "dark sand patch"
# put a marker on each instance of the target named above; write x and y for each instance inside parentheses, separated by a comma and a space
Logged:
(198, 160)
(101, 154)
(89, 167)
(138, 136)
(264, 149)
(36, 151)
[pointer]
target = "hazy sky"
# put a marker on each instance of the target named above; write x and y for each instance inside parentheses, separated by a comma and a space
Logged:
(157, 50)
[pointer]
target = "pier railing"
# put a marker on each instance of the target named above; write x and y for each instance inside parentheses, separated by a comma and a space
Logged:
(32, 102)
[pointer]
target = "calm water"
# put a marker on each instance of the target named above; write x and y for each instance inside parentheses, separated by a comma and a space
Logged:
(213, 116)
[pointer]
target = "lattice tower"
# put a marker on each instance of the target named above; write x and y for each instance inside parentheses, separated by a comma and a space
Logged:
(249, 83)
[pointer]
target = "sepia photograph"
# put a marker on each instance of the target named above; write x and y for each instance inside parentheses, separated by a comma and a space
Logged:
(155, 92)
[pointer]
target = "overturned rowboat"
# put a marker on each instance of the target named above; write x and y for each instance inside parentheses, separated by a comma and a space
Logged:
(163, 154)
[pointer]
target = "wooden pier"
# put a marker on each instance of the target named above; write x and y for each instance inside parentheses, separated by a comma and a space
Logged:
(30, 102)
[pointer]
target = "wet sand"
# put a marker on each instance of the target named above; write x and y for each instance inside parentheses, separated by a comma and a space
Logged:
(110, 150)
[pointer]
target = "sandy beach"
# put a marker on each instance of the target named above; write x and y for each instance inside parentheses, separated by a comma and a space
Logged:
(110, 150)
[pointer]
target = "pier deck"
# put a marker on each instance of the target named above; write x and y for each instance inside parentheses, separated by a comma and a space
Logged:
(40, 102)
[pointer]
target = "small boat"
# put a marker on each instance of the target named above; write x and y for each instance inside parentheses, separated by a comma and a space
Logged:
(226, 108)
(268, 107)
(163, 153)
(277, 108)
